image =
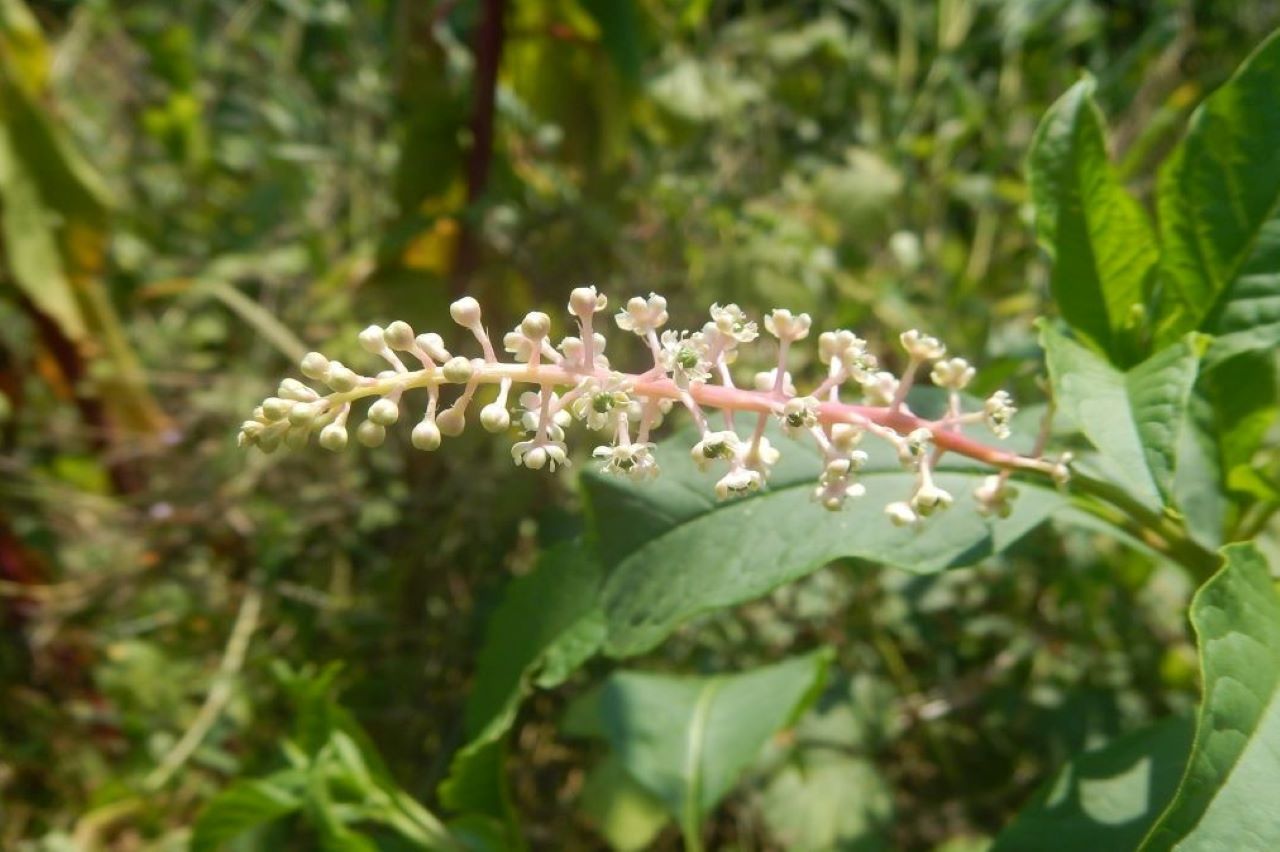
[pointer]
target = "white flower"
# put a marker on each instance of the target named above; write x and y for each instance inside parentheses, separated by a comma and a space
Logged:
(993, 496)
(846, 436)
(713, 446)
(731, 321)
(574, 352)
(764, 382)
(799, 415)
(633, 460)
(684, 356)
(879, 388)
(952, 374)
(901, 514)
(848, 350)
(922, 347)
(518, 344)
(761, 457)
(585, 301)
(929, 497)
(738, 482)
(537, 454)
(642, 316)
(785, 325)
(836, 484)
(999, 410)
(599, 403)
(919, 442)
(531, 415)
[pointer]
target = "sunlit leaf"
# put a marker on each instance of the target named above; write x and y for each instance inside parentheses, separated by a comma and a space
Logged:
(1102, 245)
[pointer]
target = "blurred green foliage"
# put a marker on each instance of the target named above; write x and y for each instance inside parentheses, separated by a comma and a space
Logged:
(195, 193)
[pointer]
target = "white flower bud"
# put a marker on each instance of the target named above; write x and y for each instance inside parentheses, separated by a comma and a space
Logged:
(952, 374)
(929, 497)
(268, 442)
(340, 378)
(334, 437)
(371, 434)
(433, 344)
(535, 325)
(585, 301)
(384, 412)
(465, 312)
(452, 421)
(303, 413)
(296, 439)
(399, 335)
(297, 391)
(922, 347)
(275, 408)
(494, 417)
(425, 436)
(371, 339)
(458, 370)
(901, 514)
(314, 365)
(785, 325)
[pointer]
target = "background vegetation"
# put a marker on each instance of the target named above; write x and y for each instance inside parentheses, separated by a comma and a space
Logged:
(197, 193)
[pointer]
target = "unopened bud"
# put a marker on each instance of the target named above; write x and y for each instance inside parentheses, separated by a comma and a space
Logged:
(425, 436)
(372, 340)
(452, 421)
(314, 365)
(535, 325)
(384, 412)
(494, 417)
(303, 413)
(275, 408)
(399, 335)
(371, 434)
(458, 370)
(334, 437)
(341, 378)
(432, 344)
(465, 312)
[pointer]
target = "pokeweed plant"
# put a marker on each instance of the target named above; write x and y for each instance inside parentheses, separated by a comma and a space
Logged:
(1163, 364)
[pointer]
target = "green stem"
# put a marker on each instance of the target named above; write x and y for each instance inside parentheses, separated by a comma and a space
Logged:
(1169, 536)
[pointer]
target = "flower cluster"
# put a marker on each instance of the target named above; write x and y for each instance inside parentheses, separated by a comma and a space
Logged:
(572, 380)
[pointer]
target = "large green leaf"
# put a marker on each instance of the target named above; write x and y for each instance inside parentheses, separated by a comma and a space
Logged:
(1105, 799)
(1134, 418)
(548, 614)
(672, 551)
(688, 739)
(1219, 201)
(1227, 796)
(1102, 245)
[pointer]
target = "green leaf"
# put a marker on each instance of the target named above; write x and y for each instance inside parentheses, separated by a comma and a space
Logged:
(244, 806)
(546, 615)
(1219, 202)
(828, 800)
(687, 739)
(1102, 245)
(624, 812)
(672, 551)
(1134, 418)
(1227, 796)
(1106, 798)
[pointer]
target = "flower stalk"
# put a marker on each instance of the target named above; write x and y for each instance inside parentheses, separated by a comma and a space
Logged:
(575, 381)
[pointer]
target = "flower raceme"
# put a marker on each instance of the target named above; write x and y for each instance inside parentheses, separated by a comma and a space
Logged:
(573, 381)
